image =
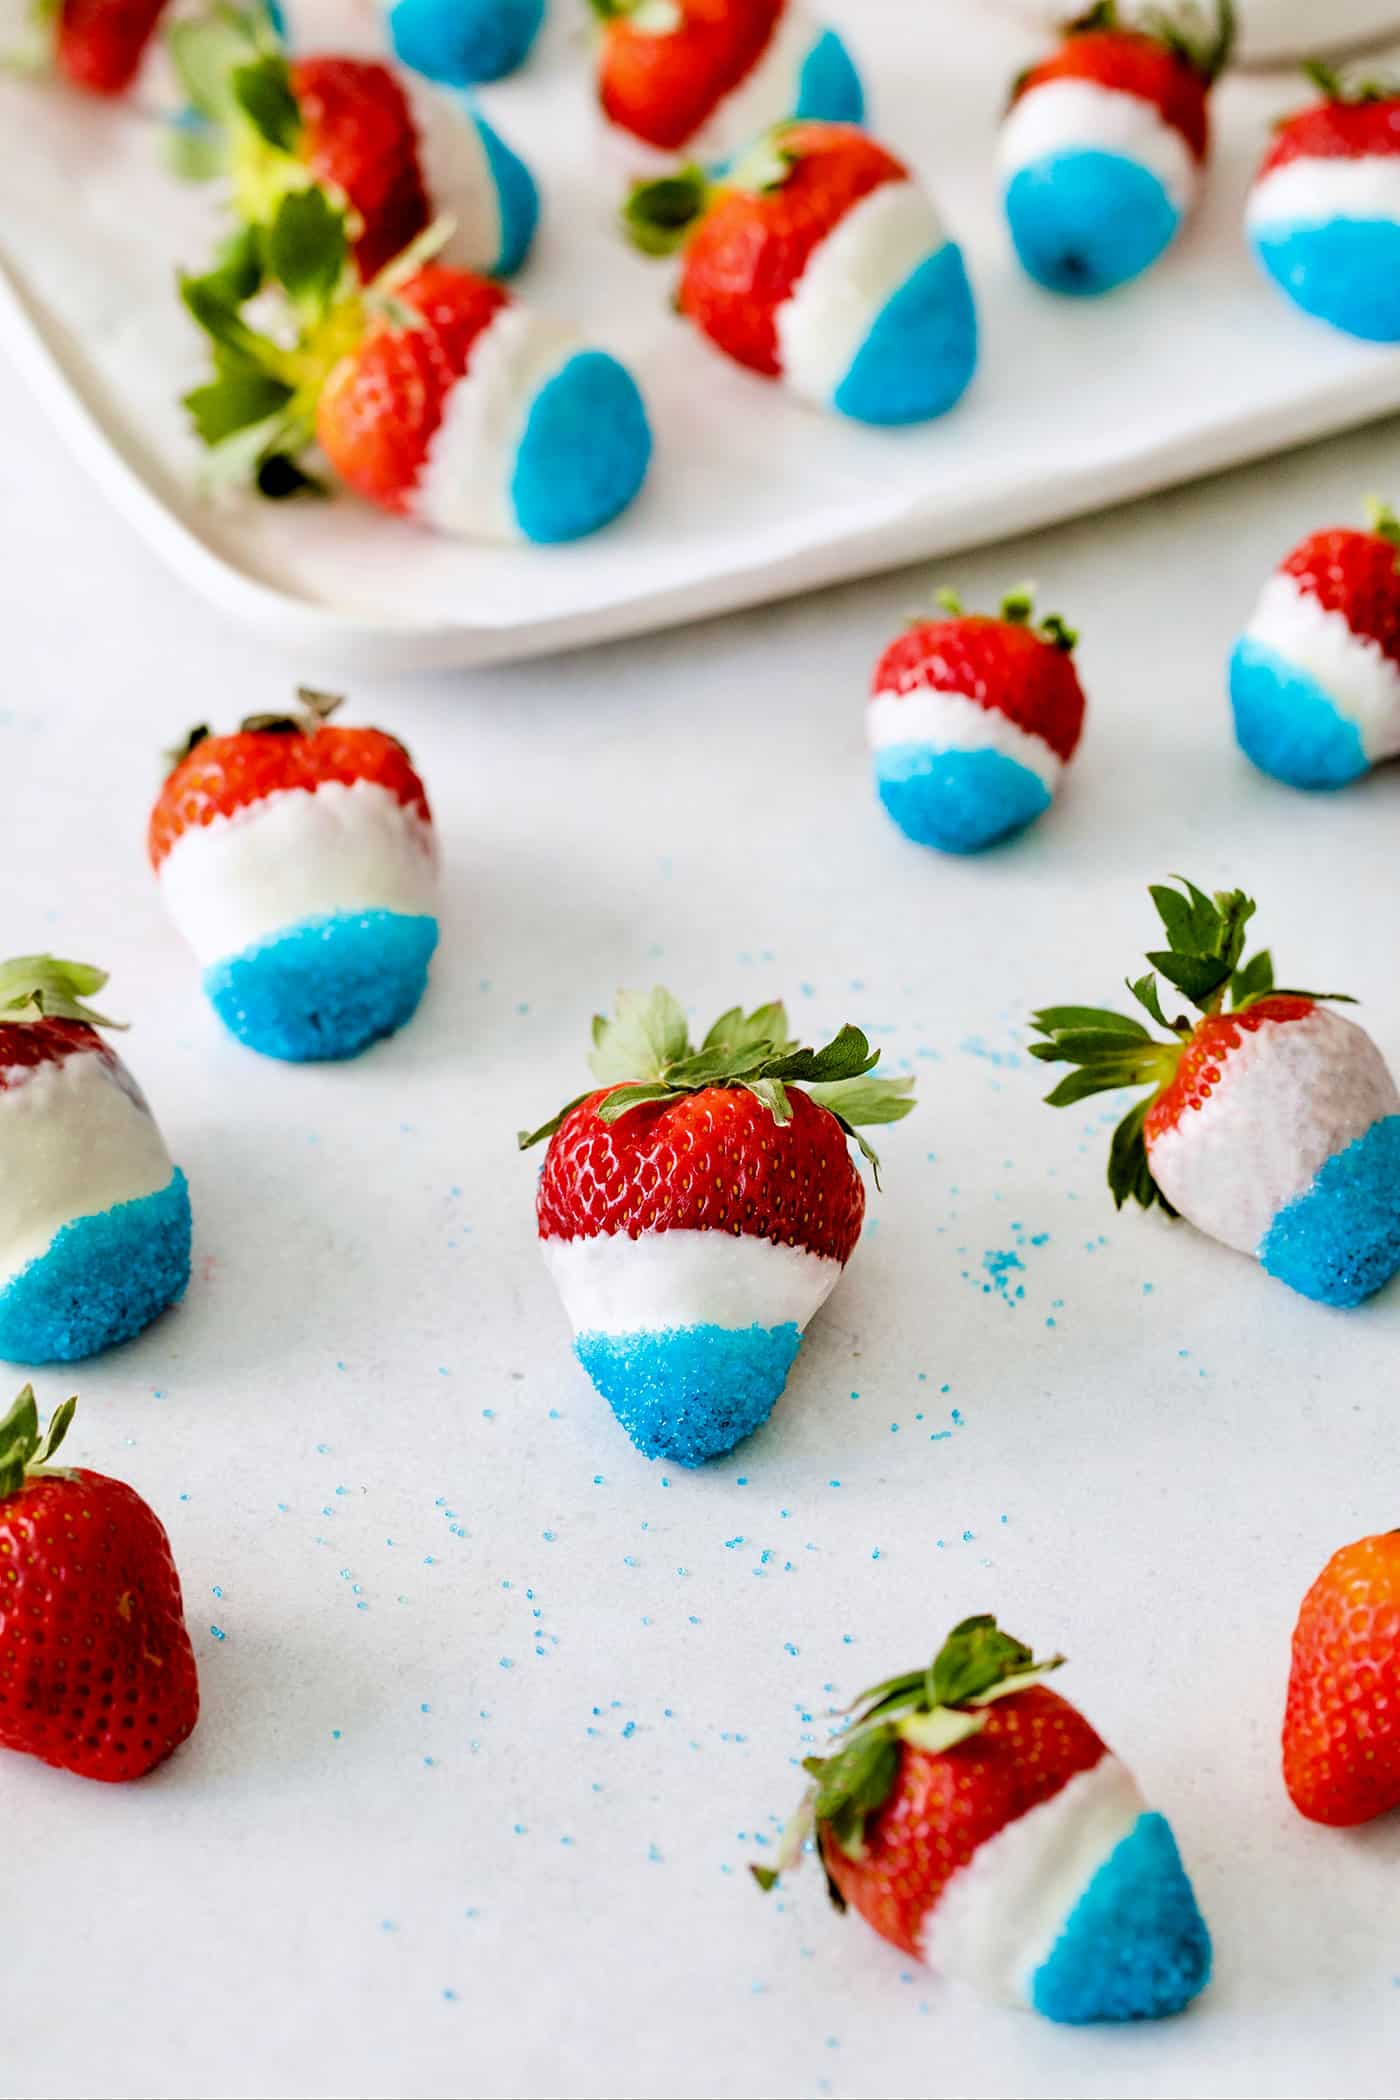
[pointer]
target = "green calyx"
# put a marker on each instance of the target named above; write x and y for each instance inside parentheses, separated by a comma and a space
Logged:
(44, 988)
(1017, 608)
(1204, 961)
(315, 708)
(1384, 523)
(1353, 93)
(659, 216)
(932, 1710)
(24, 1451)
(1202, 36)
(645, 1054)
(645, 17)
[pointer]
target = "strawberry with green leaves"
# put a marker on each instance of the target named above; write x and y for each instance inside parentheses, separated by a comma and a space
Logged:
(1273, 1124)
(97, 1674)
(429, 391)
(977, 1822)
(697, 1207)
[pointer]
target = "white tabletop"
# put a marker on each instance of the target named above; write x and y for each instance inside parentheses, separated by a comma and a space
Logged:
(497, 1711)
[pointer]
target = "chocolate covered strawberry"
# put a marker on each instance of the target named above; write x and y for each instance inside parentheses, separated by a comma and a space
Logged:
(705, 77)
(431, 393)
(977, 1822)
(97, 1674)
(1103, 149)
(1273, 1124)
(1323, 215)
(972, 720)
(697, 1208)
(819, 259)
(1315, 677)
(1341, 1727)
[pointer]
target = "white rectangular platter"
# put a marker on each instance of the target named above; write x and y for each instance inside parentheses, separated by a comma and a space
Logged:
(752, 495)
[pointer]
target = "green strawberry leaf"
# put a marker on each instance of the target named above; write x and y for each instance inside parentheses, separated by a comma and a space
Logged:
(1254, 981)
(1129, 1174)
(35, 987)
(772, 1095)
(659, 217)
(1144, 990)
(233, 403)
(647, 1033)
(865, 1100)
(262, 91)
(205, 53)
(976, 1656)
(765, 1028)
(307, 250)
(624, 1098)
(854, 1784)
(1051, 1020)
(1199, 976)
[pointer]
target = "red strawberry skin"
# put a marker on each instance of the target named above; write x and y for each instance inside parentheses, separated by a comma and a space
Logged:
(1199, 1071)
(224, 774)
(943, 1806)
(24, 1045)
(1341, 1728)
(100, 43)
(358, 136)
(750, 248)
(1001, 665)
(663, 88)
(96, 1669)
(1132, 63)
(383, 402)
(713, 1161)
(1356, 574)
(1336, 131)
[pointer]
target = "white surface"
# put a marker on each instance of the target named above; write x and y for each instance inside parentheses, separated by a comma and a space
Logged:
(612, 1284)
(753, 494)
(1174, 1467)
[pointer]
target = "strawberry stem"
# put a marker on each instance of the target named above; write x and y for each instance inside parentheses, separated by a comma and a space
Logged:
(43, 987)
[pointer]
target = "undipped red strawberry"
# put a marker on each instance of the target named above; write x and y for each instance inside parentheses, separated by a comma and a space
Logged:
(99, 44)
(1341, 1729)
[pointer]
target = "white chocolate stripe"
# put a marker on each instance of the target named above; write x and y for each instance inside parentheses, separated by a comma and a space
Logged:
(1061, 116)
(1357, 676)
(1312, 191)
(849, 279)
(456, 175)
(953, 722)
(767, 93)
(612, 1284)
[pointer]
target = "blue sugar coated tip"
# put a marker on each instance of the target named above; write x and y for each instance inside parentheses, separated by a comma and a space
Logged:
(1135, 1946)
(691, 1393)
(921, 352)
(517, 199)
(460, 42)
(584, 453)
(100, 1280)
(1288, 725)
(957, 801)
(1345, 272)
(1083, 222)
(326, 988)
(829, 87)
(1340, 1240)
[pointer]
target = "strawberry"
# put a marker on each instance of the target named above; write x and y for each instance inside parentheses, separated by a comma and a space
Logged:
(697, 1208)
(1103, 147)
(819, 260)
(99, 44)
(297, 858)
(1341, 1726)
(1274, 1127)
(94, 1219)
(1315, 677)
(430, 392)
(977, 1822)
(97, 1674)
(461, 42)
(705, 77)
(1323, 215)
(395, 153)
(972, 720)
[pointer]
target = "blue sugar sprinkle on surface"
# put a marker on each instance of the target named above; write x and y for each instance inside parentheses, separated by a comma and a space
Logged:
(1346, 272)
(584, 453)
(101, 1279)
(829, 87)
(1083, 222)
(1135, 1946)
(460, 42)
(921, 352)
(958, 801)
(326, 988)
(1340, 1240)
(691, 1393)
(1287, 724)
(517, 199)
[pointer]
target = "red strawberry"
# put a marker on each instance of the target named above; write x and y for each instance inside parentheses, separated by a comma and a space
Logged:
(1341, 1726)
(1356, 574)
(661, 81)
(1134, 62)
(1350, 124)
(99, 44)
(697, 1210)
(358, 137)
(977, 1822)
(97, 1674)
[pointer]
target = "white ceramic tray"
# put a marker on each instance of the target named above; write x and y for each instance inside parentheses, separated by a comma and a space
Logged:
(752, 496)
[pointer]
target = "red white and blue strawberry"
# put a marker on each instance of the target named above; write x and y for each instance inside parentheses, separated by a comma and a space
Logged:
(1103, 149)
(1273, 1124)
(979, 1824)
(430, 392)
(819, 260)
(1323, 215)
(395, 152)
(297, 858)
(697, 1208)
(94, 1218)
(1315, 677)
(972, 720)
(706, 77)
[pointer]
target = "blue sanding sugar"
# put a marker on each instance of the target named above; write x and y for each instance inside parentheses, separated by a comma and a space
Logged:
(921, 352)
(584, 453)
(1085, 221)
(829, 90)
(100, 1281)
(1288, 725)
(691, 1393)
(1346, 272)
(1135, 1946)
(325, 988)
(517, 199)
(958, 801)
(1340, 1240)
(459, 42)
